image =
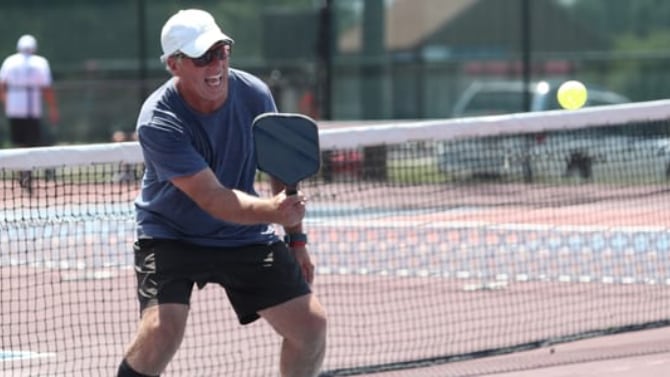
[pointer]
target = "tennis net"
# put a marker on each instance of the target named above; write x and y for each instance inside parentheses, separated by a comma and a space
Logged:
(436, 241)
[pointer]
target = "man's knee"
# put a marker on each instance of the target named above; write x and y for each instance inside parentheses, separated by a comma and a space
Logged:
(299, 320)
(319, 328)
(159, 335)
(163, 326)
(313, 328)
(319, 324)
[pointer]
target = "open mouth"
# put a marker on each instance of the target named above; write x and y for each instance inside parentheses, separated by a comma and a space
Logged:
(214, 80)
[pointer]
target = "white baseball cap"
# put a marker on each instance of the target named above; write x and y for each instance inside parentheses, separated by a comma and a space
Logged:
(27, 43)
(191, 32)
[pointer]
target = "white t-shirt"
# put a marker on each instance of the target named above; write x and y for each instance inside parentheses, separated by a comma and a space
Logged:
(25, 75)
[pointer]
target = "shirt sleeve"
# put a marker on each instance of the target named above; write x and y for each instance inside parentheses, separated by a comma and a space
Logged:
(167, 148)
(46, 74)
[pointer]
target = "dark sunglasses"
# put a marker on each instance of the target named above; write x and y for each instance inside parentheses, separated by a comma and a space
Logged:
(221, 52)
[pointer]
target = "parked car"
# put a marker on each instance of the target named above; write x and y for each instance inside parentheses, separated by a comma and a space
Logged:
(506, 97)
(553, 154)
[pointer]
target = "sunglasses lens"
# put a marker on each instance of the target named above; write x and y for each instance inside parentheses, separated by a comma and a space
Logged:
(203, 60)
(220, 53)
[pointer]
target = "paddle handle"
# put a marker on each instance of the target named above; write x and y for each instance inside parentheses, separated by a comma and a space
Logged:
(291, 190)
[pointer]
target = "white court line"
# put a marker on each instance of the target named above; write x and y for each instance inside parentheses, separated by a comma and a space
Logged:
(500, 281)
(9, 355)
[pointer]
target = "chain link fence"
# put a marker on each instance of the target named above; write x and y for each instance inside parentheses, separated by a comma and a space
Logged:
(332, 59)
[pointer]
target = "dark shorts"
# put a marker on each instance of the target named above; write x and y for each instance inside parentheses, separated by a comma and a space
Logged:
(255, 277)
(25, 132)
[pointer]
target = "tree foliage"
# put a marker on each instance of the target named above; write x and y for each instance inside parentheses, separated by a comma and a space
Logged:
(640, 35)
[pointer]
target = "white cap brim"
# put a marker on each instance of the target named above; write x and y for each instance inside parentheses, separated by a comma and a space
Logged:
(201, 44)
(204, 42)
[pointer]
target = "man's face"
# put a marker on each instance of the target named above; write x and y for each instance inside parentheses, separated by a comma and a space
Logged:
(203, 81)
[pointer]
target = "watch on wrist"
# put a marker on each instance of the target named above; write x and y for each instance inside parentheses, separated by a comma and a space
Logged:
(294, 239)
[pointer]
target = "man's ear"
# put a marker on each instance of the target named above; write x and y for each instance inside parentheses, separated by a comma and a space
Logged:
(172, 62)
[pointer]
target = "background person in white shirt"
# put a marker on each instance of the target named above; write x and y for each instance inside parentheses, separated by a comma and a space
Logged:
(25, 79)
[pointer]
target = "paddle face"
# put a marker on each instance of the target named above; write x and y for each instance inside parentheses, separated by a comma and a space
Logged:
(287, 147)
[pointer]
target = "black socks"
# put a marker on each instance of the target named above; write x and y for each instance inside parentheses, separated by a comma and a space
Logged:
(126, 371)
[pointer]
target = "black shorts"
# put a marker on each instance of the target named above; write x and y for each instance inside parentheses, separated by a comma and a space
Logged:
(25, 132)
(255, 277)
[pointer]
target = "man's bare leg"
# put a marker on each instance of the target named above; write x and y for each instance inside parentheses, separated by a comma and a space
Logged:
(302, 323)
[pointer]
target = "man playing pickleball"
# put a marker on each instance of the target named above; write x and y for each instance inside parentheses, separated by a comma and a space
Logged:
(199, 219)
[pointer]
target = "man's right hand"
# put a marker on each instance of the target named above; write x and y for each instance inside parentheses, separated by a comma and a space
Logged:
(291, 208)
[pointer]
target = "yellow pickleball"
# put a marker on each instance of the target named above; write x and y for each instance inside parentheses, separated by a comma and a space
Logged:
(572, 95)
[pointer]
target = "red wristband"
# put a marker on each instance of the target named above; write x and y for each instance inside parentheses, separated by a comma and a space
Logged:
(297, 244)
(296, 239)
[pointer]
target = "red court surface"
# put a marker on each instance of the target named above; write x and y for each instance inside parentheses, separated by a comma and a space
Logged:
(643, 353)
(374, 318)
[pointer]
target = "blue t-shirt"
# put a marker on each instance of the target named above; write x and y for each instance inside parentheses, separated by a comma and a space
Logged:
(176, 141)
